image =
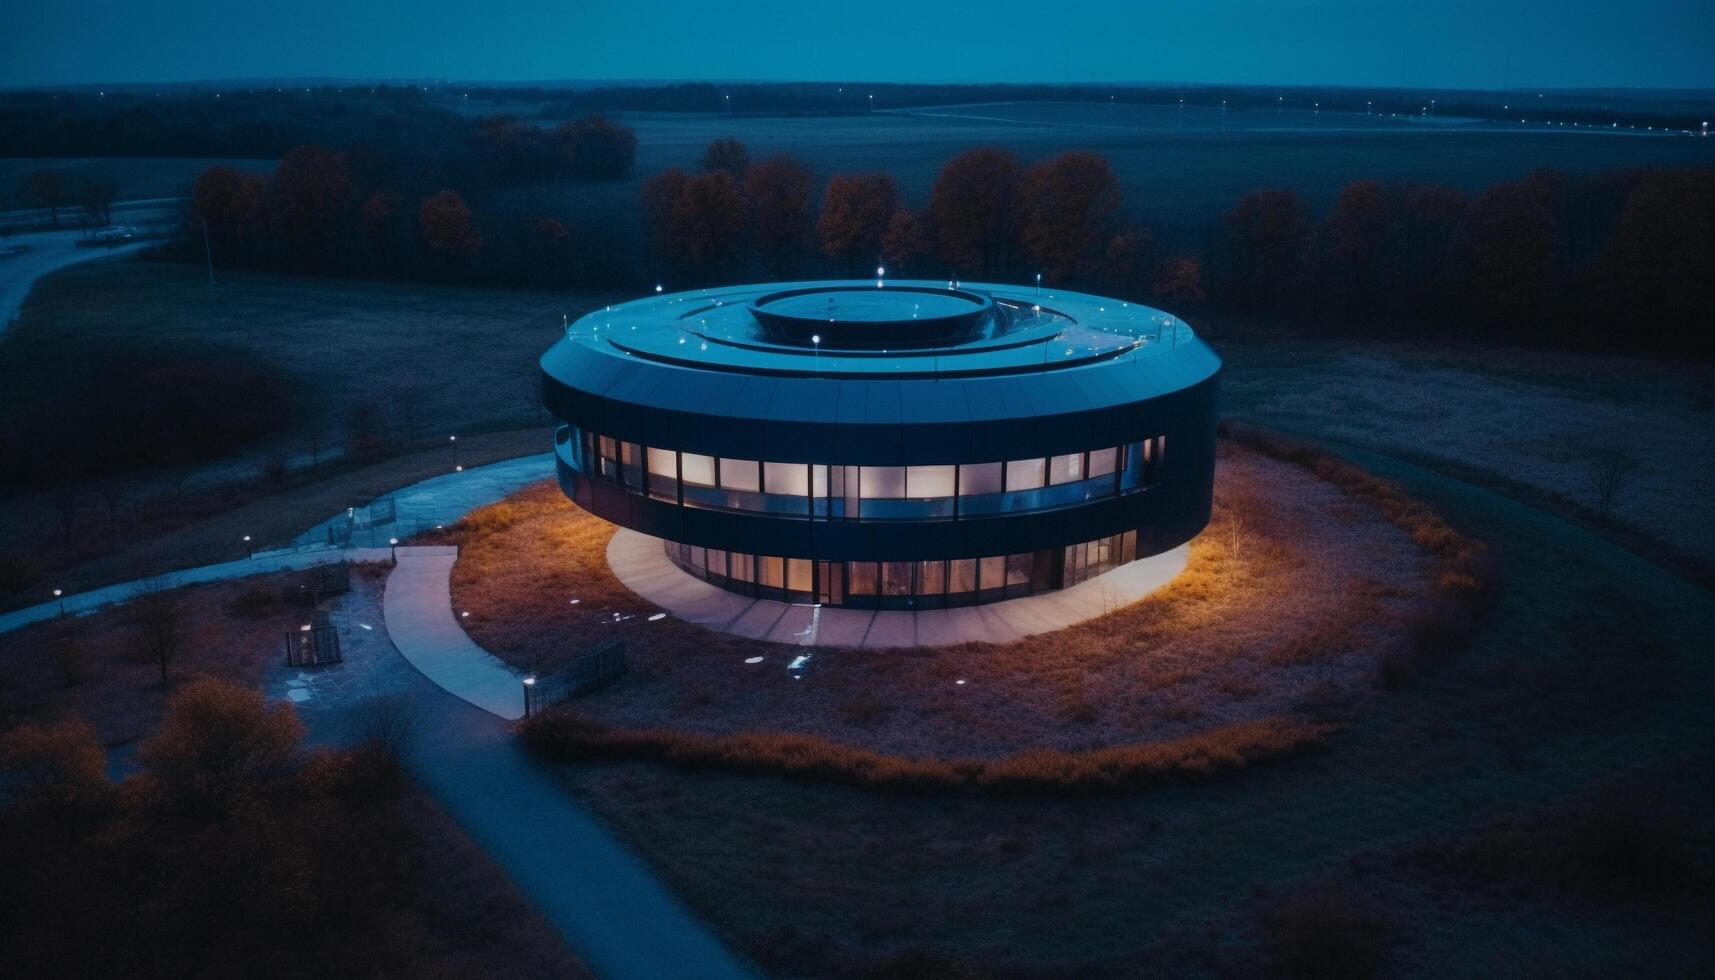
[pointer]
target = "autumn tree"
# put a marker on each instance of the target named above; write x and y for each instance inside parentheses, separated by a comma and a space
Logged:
(907, 241)
(59, 768)
(1262, 252)
(221, 746)
(1659, 271)
(856, 210)
(728, 155)
(377, 214)
(970, 207)
(597, 147)
(229, 201)
(1426, 228)
(777, 198)
(444, 220)
(1067, 206)
(1127, 262)
(1512, 252)
(706, 224)
(1179, 281)
(1352, 258)
(308, 200)
(660, 195)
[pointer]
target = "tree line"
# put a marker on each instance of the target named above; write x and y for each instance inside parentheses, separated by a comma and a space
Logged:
(1615, 260)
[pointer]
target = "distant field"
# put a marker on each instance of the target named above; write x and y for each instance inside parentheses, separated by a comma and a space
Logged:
(469, 353)
(1179, 173)
(136, 178)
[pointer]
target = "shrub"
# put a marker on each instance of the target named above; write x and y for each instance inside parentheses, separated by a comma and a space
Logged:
(564, 736)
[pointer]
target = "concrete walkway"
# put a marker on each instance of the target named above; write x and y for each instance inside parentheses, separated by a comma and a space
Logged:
(640, 563)
(417, 608)
(262, 564)
(605, 900)
(443, 499)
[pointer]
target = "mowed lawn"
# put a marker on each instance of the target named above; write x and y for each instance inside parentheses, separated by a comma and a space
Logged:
(463, 357)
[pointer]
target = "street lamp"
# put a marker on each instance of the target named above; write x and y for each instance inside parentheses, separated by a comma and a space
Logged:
(393, 550)
(249, 551)
(1039, 285)
(61, 597)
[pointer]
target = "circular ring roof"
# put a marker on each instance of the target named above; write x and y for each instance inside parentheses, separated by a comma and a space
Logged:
(878, 317)
(861, 330)
(998, 368)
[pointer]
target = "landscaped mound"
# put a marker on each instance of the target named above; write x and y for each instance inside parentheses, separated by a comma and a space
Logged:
(1313, 582)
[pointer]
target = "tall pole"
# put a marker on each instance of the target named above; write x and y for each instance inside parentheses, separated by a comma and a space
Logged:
(207, 251)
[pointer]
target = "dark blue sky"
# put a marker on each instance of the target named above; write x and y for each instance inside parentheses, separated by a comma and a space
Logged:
(1521, 43)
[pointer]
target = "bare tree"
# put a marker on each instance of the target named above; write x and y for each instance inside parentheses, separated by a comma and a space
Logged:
(96, 195)
(158, 616)
(409, 397)
(111, 490)
(1611, 471)
(65, 499)
(388, 727)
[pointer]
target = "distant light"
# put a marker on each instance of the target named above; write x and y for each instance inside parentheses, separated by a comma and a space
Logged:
(389, 540)
(465, 614)
(959, 681)
(881, 270)
(815, 338)
(56, 593)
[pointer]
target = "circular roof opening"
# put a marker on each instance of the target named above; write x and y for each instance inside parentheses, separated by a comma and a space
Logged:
(872, 318)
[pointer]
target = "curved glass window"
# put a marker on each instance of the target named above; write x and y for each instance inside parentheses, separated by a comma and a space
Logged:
(932, 584)
(819, 491)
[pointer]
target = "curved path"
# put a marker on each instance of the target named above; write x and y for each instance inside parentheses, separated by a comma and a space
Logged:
(419, 616)
(606, 902)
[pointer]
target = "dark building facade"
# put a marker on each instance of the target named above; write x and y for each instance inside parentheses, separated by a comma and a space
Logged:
(895, 445)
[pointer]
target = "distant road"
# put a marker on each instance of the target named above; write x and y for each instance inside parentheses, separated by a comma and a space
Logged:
(50, 251)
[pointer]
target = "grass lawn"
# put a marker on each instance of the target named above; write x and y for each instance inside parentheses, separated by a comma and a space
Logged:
(169, 532)
(1531, 423)
(1588, 678)
(461, 357)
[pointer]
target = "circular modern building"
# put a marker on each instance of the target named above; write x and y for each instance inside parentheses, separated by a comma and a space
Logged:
(882, 444)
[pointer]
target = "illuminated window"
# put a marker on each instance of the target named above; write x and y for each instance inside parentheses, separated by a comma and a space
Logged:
(1066, 469)
(1024, 474)
(975, 478)
(929, 481)
(992, 572)
(931, 577)
(896, 577)
(739, 474)
(882, 482)
(699, 470)
(790, 478)
(771, 572)
(962, 575)
(798, 575)
(663, 462)
(860, 578)
(1103, 462)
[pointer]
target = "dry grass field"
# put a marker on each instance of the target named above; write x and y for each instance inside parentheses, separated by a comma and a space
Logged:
(1289, 601)
(1537, 802)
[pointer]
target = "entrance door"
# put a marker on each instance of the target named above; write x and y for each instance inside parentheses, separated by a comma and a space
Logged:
(831, 583)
